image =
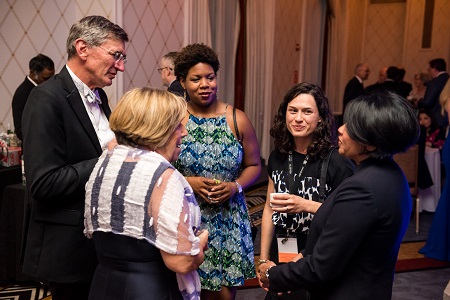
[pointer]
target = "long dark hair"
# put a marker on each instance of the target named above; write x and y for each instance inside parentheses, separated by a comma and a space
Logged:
(323, 137)
(433, 122)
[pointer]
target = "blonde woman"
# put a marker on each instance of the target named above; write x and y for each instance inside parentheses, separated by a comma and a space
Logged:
(140, 211)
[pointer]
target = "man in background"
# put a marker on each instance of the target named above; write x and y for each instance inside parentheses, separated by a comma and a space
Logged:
(65, 129)
(355, 87)
(404, 88)
(168, 77)
(437, 70)
(41, 69)
(390, 84)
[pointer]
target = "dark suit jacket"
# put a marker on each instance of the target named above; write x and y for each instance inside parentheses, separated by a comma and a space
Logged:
(354, 238)
(18, 104)
(388, 85)
(61, 149)
(404, 88)
(353, 89)
(176, 88)
(431, 98)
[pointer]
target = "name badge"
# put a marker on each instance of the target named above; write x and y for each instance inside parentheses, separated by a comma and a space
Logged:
(287, 247)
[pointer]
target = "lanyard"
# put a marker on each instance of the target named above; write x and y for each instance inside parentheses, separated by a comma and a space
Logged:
(291, 172)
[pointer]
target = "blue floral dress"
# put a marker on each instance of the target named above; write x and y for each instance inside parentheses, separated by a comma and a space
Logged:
(210, 150)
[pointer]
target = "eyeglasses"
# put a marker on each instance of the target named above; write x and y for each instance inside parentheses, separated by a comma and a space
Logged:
(118, 56)
(160, 69)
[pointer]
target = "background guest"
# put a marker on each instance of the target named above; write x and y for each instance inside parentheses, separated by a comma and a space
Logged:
(218, 163)
(304, 133)
(167, 71)
(420, 85)
(382, 75)
(352, 246)
(390, 84)
(140, 211)
(41, 69)
(65, 128)
(437, 70)
(438, 241)
(404, 88)
(355, 87)
(435, 136)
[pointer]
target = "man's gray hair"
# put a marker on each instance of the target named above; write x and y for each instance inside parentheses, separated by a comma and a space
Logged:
(94, 30)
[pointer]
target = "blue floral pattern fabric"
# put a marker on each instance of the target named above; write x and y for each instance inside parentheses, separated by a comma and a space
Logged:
(211, 150)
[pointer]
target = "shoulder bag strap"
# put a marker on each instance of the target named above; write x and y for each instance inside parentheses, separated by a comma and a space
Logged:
(236, 126)
(323, 175)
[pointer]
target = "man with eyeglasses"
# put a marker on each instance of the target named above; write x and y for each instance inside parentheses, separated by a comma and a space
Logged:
(168, 77)
(65, 129)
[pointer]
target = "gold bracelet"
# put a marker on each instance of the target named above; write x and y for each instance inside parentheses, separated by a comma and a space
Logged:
(262, 261)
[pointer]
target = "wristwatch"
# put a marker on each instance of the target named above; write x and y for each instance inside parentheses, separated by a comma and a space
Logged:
(238, 187)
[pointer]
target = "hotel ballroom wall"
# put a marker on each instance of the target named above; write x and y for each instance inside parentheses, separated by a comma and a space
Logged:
(379, 32)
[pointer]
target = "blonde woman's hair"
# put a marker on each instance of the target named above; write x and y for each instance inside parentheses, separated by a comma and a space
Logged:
(147, 117)
(443, 97)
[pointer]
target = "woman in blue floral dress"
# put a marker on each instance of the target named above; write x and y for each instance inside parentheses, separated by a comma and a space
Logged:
(218, 165)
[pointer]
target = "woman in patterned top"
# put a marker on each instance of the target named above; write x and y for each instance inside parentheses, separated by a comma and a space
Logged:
(218, 164)
(304, 133)
(140, 210)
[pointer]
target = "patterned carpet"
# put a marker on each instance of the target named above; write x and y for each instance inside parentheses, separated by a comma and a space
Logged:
(25, 291)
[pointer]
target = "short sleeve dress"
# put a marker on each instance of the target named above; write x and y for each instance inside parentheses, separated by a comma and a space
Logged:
(210, 150)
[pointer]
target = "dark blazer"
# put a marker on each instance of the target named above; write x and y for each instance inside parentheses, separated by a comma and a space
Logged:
(61, 149)
(353, 89)
(404, 88)
(431, 98)
(18, 104)
(354, 238)
(387, 85)
(176, 88)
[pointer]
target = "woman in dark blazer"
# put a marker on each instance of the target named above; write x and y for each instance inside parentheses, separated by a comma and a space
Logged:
(355, 236)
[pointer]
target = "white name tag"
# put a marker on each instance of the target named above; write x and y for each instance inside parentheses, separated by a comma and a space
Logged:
(287, 248)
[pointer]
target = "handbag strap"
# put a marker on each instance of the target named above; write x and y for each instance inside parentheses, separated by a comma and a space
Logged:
(235, 126)
(323, 175)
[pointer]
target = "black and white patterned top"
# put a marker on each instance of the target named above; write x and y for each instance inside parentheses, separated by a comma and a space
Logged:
(307, 186)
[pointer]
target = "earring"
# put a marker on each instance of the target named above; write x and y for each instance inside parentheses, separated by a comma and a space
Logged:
(184, 95)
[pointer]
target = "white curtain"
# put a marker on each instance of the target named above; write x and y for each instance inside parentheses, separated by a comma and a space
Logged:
(225, 23)
(216, 24)
(337, 58)
(260, 54)
(197, 28)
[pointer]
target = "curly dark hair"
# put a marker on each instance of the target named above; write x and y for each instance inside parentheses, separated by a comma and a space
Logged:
(323, 137)
(193, 54)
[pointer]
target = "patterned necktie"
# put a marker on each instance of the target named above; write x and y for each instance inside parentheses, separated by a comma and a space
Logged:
(92, 97)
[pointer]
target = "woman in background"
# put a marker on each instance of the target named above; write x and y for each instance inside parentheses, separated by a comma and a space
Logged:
(353, 242)
(419, 88)
(304, 133)
(435, 136)
(139, 210)
(218, 164)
